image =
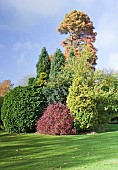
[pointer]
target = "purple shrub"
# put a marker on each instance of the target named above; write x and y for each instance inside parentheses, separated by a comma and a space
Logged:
(56, 120)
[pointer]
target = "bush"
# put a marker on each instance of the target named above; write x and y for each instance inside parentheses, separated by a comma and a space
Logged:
(21, 109)
(56, 120)
(93, 100)
(82, 105)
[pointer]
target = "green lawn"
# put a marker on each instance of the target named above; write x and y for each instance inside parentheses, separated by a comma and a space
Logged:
(78, 152)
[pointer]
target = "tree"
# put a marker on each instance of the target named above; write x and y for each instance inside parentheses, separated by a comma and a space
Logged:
(43, 64)
(77, 65)
(56, 64)
(21, 108)
(92, 98)
(80, 28)
(57, 89)
(5, 87)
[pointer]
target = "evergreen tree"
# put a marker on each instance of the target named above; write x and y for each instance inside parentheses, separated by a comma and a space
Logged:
(41, 80)
(43, 64)
(81, 32)
(56, 64)
(92, 96)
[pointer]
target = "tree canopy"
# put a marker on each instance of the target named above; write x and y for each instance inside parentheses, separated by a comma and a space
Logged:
(81, 31)
(5, 87)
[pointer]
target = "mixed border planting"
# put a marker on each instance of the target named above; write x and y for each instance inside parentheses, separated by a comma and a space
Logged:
(68, 95)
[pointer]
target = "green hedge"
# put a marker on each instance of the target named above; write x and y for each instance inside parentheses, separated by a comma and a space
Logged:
(21, 108)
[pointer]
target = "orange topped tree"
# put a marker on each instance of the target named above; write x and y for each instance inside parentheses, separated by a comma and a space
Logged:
(5, 87)
(81, 32)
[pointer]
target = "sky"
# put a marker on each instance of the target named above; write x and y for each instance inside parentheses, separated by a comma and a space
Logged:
(26, 26)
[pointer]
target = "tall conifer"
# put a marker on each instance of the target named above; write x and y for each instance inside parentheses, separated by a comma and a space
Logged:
(43, 64)
(56, 64)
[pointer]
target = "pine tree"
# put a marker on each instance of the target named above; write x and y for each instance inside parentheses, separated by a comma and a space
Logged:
(43, 64)
(81, 32)
(56, 64)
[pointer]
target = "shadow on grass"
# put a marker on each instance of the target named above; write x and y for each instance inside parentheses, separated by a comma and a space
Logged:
(111, 128)
(35, 152)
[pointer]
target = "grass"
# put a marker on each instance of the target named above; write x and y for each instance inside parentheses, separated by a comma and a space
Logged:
(78, 152)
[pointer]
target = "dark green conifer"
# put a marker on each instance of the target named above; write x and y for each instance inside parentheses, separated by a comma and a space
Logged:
(56, 64)
(43, 64)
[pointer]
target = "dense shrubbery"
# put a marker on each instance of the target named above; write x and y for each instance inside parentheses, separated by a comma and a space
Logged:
(70, 78)
(21, 108)
(56, 120)
(92, 100)
(82, 105)
(57, 88)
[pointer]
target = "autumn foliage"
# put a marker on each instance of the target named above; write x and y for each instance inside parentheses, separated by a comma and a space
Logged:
(81, 32)
(67, 96)
(5, 87)
(56, 120)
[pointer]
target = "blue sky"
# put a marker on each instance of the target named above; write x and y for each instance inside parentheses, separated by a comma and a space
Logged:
(28, 25)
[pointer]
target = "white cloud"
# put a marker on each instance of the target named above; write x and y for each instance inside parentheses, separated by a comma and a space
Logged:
(107, 31)
(23, 52)
(28, 8)
(21, 59)
(24, 46)
(113, 61)
(32, 8)
(24, 14)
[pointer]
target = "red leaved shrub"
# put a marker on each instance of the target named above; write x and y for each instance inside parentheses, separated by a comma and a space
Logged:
(56, 120)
